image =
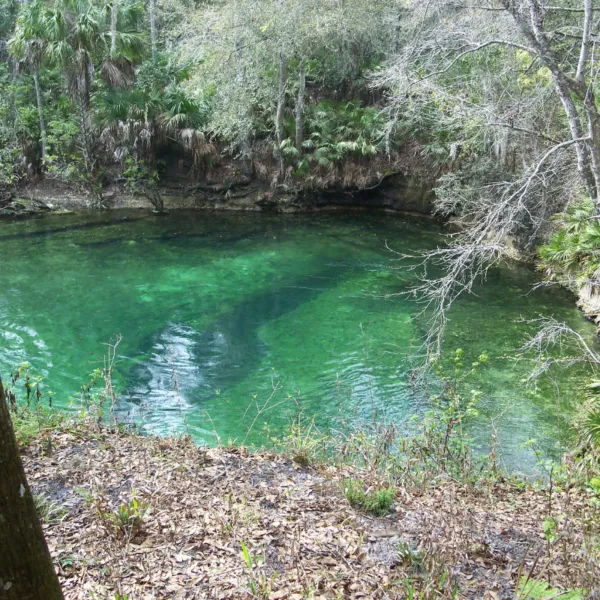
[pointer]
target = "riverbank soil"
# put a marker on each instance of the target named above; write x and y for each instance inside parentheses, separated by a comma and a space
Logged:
(140, 517)
(404, 186)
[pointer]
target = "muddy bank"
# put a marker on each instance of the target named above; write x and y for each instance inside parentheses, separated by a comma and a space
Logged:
(396, 192)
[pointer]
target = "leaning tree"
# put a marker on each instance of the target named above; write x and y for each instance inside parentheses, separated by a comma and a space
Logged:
(513, 80)
(26, 570)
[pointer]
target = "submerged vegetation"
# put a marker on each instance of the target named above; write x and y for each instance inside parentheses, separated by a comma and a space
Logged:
(497, 112)
(499, 109)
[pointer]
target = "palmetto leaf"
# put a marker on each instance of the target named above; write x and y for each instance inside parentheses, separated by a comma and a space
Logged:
(290, 151)
(118, 73)
(591, 424)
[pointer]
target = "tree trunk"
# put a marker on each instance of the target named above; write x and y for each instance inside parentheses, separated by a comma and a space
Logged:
(26, 570)
(594, 145)
(89, 148)
(40, 107)
(153, 35)
(583, 154)
(153, 194)
(280, 112)
(86, 125)
(589, 99)
(244, 116)
(300, 109)
(585, 43)
(588, 153)
(114, 7)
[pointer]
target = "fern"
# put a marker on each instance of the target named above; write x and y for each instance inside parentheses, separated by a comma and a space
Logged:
(589, 419)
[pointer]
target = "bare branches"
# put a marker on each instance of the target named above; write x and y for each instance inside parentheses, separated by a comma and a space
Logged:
(571, 10)
(525, 130)
(477, 48)
(490, 215)
(500, 85)
(553, 335)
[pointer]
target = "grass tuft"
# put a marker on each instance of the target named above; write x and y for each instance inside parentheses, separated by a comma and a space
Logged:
(377, 501)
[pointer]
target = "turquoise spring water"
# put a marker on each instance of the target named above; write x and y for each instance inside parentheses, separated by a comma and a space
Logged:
(229, 308)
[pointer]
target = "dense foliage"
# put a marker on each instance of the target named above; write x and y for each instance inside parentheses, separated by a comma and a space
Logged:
(91, 87)
(93, 91)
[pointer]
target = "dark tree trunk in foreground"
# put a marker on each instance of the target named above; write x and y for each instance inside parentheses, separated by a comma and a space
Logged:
(26, 570)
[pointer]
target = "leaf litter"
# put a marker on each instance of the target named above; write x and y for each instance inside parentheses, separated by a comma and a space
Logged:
(146, 518)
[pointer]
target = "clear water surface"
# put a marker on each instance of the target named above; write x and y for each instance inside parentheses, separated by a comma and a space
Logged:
(230, 307)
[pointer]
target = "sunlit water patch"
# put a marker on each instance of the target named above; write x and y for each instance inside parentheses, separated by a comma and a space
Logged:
(231, 323)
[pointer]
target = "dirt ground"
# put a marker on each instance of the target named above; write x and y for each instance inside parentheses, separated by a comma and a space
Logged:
(139, 518)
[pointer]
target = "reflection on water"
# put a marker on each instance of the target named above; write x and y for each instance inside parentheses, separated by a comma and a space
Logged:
(218, 311)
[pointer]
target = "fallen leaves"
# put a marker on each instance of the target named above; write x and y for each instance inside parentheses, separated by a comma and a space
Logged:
(302, 539)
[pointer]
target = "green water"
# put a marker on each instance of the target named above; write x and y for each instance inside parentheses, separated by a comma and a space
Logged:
(233, 306)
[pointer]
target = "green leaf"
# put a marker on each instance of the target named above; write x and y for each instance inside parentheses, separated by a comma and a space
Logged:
(246, 554)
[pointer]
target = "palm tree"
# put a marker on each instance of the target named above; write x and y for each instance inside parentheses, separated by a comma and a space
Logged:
(138, 121)
(28, 47)
(153, 33)
(79, 35)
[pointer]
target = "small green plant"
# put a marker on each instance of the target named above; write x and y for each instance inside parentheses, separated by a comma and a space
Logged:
(35, 424)
(260, 585)
(32, 420)
(551, 529)
(534, 589)
(425, 586)
(98, 393)
(48, 512)
(126, 521)
(408, 556)
(443, 444)
(128, 518)
(302, 442)
(375, 500)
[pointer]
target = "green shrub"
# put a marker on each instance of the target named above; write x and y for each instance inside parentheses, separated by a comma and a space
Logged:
(35, 423)
(377, 501)
(25, 394)
(336, 130)
(574, 249)
(588, 419)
